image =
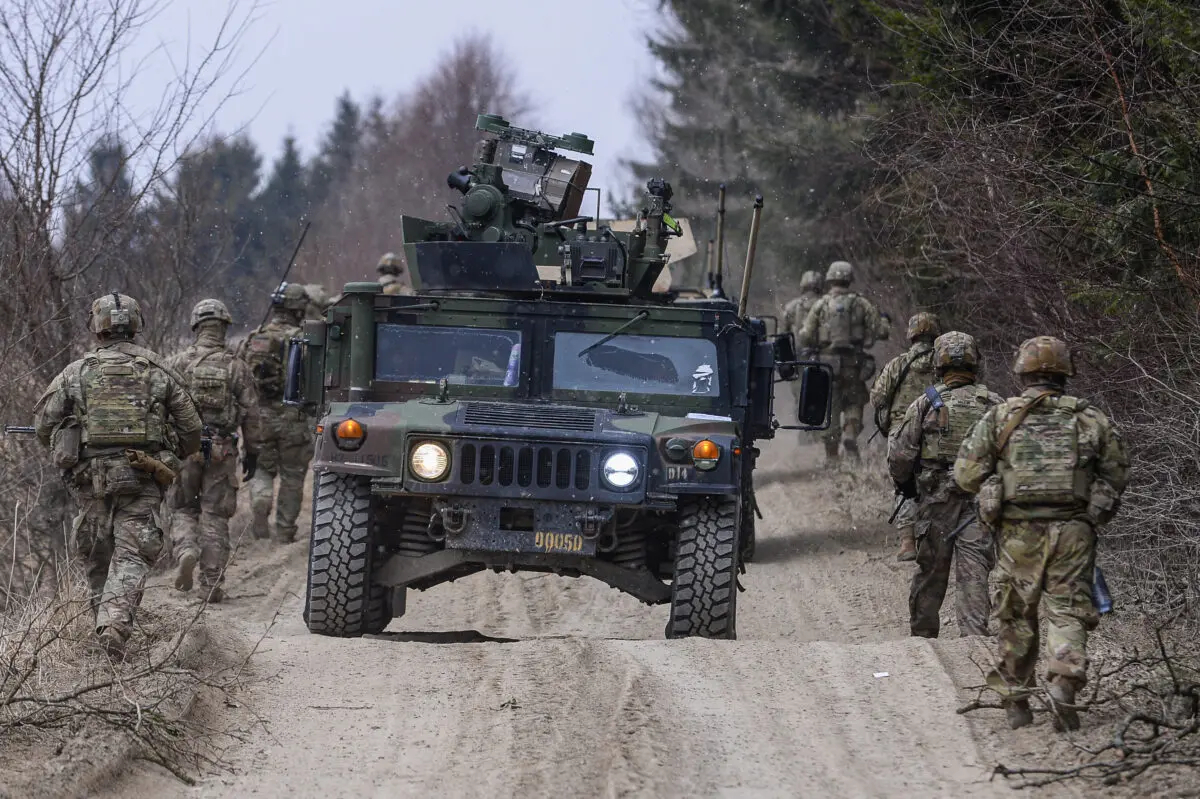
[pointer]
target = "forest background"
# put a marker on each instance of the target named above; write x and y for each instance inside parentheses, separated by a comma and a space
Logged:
(1019, 168)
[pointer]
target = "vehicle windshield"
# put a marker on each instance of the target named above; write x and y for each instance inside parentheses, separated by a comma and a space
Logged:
(462, 355)
(636, 364)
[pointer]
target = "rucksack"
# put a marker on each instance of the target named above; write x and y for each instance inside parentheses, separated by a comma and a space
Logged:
(264, 354)
(961, 408)
(122, 409)
(916, 377)
(210, 380)
(845, 323)
(1041, 456)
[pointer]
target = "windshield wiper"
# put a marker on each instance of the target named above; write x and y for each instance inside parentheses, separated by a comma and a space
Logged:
(640, 316)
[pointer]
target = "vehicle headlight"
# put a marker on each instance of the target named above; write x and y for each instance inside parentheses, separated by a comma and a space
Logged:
(429, 460)
(620, 470)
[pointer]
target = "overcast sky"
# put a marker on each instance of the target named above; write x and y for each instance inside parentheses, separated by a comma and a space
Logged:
(581, 61)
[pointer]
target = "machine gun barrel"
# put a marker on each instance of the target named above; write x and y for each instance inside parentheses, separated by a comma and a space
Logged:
(755, 219)
(19, 429)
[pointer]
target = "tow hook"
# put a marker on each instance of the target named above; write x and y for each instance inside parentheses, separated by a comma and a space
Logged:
(454, 519)
(591, 520)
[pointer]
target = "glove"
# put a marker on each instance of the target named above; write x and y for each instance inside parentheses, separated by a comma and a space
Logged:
(908, 489)
(249, 466)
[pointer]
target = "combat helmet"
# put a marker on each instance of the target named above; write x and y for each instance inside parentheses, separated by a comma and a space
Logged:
(923, 324)
(840, 272)
(810, 281)
(210, 310)
(955, 350)
(290, 296)
(115, 313)
(1044, 355)
(389, 264)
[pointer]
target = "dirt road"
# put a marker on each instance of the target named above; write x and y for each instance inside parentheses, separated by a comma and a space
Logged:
(521, 685)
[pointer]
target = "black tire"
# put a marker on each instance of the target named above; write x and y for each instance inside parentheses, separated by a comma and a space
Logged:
(341, 600)
(704, 589)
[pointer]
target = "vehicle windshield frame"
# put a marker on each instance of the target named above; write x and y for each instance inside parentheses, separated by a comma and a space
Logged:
(500, 324)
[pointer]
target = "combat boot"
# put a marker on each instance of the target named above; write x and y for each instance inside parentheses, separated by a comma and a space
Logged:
(187, 565)
(908, 545)
(850, 445)
(1019, 714)
(1062, 703)
(215, 595)
(831, 453)
(113, 643)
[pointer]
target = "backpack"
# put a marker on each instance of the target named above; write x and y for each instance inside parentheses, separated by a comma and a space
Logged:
(264, 354)
(210, 381)
(959, 409)
(917, 375)
(122, 409)
(844, 322)
(1041, 456)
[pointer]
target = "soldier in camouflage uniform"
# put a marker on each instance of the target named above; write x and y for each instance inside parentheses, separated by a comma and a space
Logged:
(116, 422)
(900, 382)
(390, 267)
(796, 311)
(841, 326)
(286, 446)
(921, 455)
(1049, 469)
(207, 490)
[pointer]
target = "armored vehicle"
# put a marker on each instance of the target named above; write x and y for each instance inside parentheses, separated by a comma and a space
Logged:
(535, 406)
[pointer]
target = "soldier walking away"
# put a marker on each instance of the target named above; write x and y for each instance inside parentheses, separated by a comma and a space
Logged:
(1049, 469)
(796, 310)
(286, 433)
(390, 267)
(207, 489)
(901, 381)
(116, 422)
(841, 326)
(921, 455)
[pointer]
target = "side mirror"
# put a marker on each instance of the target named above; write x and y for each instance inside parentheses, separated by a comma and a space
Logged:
(816, 394)
(785, 355)
(293, 380)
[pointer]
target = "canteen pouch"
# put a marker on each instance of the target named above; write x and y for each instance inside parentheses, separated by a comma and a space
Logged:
(1102, 503)
(114, 475)
(990, 501)
(66, 440)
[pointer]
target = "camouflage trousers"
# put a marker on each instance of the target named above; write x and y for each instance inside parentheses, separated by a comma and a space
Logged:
(906, 518)
(118, 538)
(849, 396)
(206, 502)
(284, 452)
(1046, 563)
(972, 554)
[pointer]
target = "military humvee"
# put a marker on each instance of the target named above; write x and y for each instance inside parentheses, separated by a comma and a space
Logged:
(535, 406)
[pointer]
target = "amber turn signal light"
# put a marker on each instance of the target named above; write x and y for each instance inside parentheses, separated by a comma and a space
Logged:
(349, 429)
(705, 454)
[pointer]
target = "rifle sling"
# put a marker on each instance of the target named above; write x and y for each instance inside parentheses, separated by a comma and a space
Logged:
(1015, 420)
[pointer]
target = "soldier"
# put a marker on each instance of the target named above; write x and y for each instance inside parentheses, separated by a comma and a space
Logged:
(796, 311)
(286, 444)
(224, 392)
(901, 382)
(841, 326)
(318, 300)
(1049, 469)
(390, 267)
(921, 455)
(117, 421)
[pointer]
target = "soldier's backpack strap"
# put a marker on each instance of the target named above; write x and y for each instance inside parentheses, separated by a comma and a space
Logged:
(1015, 420)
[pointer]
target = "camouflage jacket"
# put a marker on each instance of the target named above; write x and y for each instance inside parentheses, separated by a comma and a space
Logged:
(900, 382)
(393, 285)
(1100, 453)
(796, 311)
(241, 403)
(867, 327)
(909, 448)
(169, 401)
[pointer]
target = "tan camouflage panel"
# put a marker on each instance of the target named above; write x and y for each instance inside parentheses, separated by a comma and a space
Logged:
(240, 411)
(902, 392)
(796, 311)
(1046, 562)
(208, 498)
(285, 452)
(941, 510)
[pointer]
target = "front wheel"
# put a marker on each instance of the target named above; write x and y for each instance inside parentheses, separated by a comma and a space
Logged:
(704, 591)
(341, 600)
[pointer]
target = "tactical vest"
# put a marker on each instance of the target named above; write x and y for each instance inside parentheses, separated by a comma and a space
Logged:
(265, 355)
(920, 375)
(797, 310)
(844, 324)
(1041, 463)
(963, 407)
(125, 406)
(210, 378)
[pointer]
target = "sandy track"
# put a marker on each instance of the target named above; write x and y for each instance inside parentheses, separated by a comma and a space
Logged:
(524, 685)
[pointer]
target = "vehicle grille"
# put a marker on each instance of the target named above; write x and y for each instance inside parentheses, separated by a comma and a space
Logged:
(538, 417)
(525, 466)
